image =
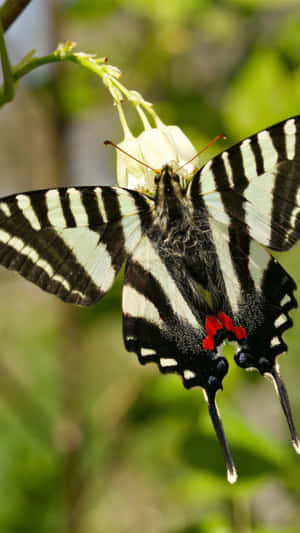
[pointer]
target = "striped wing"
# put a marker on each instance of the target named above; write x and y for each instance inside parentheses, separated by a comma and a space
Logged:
(166, 321)
(260, 294)
(256, 185)
(164, 318)
(71, 241)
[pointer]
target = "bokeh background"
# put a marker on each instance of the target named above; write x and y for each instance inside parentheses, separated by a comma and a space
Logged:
(90, 441)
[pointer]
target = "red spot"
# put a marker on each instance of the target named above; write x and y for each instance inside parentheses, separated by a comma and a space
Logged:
(212, 325)
(239, 332)
(208, 343)
(226, 321)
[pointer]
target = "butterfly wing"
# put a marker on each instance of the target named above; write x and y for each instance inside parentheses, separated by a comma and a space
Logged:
(255, 185)
(259, 291)
(71, 241)
(250, 195)
(261, 294)
(165, 321)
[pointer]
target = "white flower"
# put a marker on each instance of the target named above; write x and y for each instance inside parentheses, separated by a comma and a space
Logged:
(155, 147)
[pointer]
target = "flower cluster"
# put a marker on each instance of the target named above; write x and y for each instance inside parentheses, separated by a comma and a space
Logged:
(155, 146)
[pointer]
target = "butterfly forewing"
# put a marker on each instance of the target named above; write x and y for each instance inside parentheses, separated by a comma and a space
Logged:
(71, 242)
(255, 184)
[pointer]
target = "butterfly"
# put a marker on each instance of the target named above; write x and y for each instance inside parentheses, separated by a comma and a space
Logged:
(198, 272)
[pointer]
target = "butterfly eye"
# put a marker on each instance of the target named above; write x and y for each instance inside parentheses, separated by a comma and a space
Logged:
(176, 178)
(157, 178)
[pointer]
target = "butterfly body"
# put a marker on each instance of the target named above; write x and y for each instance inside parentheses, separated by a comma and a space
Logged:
(198, 273)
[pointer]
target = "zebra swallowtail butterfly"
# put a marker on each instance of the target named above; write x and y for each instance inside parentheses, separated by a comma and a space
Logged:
(197, 270)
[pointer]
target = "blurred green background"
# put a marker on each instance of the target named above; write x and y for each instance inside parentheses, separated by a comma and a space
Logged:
(90, 441)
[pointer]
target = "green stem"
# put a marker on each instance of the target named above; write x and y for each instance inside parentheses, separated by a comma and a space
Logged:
(109, 74)
(10, 10)
(8, 91)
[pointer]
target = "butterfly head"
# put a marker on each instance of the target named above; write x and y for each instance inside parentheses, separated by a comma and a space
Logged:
(170, 187)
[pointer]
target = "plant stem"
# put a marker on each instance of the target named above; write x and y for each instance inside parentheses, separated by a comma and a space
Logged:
(10, 11)
(8, 91)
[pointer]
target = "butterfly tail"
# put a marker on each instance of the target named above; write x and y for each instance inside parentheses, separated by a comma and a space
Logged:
(285, 404)
(218, 426)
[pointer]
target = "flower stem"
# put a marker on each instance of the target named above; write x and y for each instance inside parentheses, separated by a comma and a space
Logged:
(8, 89)
(109, 74)
(10, 10)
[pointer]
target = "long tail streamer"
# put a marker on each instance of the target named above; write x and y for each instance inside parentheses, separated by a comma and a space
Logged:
(285, 404)
(218, 426)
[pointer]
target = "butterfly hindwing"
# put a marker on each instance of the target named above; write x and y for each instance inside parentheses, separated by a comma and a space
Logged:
(260, 294)
(71, 242)
(164, 319)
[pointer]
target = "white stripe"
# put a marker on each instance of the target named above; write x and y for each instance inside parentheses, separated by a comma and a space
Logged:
(207, 179)
(144, 351)
(65, 283)
(5, 209)
(132, 232)
(147, 257)
(258, 263)
(216, 208)
(294, 216)
(290, 138)
(188, 374)
(268, 151)
(24, 204)
(100, 268)
(4, 236)
(168, 362)
(136, 305)
(93, 257)
(101, 206)
(77, 207)
(207, 166)
(44, 265)
(127, 204)
(81, 294)
(248, 158)
(55, 212)
(29, 252)
(228, 168)
(258, 214)
(221, 241)
(16, 243)
(280, 320)
(285, 300)
(274, 342)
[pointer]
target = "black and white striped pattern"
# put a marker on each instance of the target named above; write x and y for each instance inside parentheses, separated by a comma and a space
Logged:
(71, 242)
(197, 272)
(255, 184)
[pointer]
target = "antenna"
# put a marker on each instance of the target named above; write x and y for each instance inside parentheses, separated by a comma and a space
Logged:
(203, 150)
(106, 143)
